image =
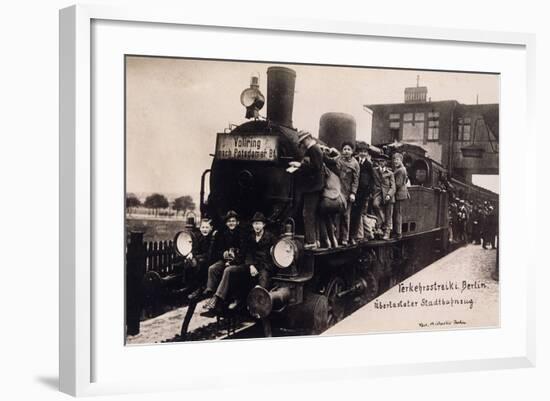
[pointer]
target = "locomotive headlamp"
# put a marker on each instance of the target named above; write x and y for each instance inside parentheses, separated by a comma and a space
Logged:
(252, 98)
(284, 253)
(183, 243)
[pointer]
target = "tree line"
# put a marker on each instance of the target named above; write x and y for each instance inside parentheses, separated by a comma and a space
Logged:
(157, 202)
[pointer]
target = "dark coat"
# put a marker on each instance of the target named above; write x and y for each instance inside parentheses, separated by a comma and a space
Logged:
(203, 248)
(492, 222)
(311, 176)
(401, 191)
(258, 253)
(366, 179)
(225, 240)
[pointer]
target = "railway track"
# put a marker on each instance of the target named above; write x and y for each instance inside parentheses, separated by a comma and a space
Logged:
(241, 326)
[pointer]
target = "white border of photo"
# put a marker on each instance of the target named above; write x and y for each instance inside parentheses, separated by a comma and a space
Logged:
(93, 357)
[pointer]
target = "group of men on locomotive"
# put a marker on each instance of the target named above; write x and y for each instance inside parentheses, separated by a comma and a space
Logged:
(224, 263)
(348, 196)
(338, 211)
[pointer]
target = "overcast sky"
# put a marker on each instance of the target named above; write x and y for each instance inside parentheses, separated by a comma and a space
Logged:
(175, 107)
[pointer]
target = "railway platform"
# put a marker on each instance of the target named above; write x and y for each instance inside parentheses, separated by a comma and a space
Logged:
(457, 291)
(167, 327)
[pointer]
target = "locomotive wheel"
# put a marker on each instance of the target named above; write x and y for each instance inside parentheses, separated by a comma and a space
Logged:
(336, 305)
(319, 306)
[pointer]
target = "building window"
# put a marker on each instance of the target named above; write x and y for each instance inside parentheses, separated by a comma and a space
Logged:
(395, 121)
(413, 126)
(419, 117)
(464, 127)
(433, 126)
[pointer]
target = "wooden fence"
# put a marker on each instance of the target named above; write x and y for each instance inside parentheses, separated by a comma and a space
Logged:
(160, 257)
(141, 258)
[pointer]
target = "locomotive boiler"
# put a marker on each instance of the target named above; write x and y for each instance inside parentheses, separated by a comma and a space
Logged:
(313, 289)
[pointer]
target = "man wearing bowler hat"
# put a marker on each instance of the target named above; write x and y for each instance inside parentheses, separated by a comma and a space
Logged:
(257, 251)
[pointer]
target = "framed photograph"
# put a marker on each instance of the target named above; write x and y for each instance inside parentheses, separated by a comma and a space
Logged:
(329, 196)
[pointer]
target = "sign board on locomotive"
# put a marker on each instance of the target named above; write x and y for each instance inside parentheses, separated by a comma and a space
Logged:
(246, 147)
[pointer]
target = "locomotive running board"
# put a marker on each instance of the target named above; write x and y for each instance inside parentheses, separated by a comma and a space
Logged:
(369, 244)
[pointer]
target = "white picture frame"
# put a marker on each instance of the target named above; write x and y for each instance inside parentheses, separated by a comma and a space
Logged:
(80, 344)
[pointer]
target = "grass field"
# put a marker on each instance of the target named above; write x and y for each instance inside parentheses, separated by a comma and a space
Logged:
(155, 229)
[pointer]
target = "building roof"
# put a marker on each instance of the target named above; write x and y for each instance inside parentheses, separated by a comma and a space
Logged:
(438, 102)
(409, 104)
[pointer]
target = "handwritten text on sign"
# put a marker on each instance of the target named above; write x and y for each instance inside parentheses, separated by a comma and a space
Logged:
(246, 147)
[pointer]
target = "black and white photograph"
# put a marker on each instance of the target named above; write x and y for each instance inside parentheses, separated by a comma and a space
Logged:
(266, 199)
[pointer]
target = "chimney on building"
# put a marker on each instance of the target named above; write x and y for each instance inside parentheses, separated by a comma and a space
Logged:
(417, 94)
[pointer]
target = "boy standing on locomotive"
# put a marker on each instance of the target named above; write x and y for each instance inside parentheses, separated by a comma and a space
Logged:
(364, 190)
(401, 192)
(348, 171)
(226, 251)
(384, 196)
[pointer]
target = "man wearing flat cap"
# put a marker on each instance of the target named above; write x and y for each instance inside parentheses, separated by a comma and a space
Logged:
(310, 181)
(401, 192)
(384, 196)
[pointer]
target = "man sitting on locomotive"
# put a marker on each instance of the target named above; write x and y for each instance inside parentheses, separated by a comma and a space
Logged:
(258, 247)
(198, 261)
(401, 191)
(226, 250)
(310, 181)
(257, 262)
(348, 171)
(384, 196)
(364, 190)
(257, 265)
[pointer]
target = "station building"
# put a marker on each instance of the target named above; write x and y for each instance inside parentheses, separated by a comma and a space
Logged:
(462, 137)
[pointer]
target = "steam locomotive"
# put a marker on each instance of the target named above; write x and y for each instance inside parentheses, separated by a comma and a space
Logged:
(313, 289)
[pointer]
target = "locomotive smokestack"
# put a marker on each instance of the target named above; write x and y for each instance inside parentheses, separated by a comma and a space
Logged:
(280, 95)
